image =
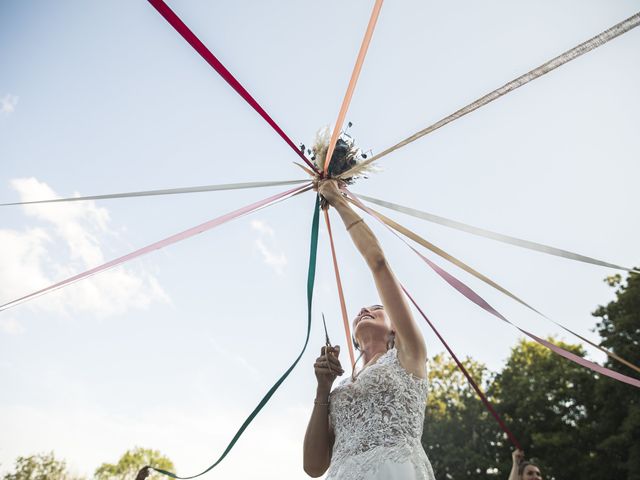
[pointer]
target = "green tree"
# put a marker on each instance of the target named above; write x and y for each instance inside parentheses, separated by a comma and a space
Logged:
(549, 404)
(618, 426)
(132, 461)
(460, 436)
(40, 467)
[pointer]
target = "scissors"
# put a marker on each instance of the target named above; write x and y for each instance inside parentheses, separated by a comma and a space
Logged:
(327, 343)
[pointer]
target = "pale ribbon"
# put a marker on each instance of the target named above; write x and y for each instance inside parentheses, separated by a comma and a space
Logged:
(168, 191)
(438, 251)
(471, 295)
(352, 83)
(162, 243)
(518, 242)
(552, 64)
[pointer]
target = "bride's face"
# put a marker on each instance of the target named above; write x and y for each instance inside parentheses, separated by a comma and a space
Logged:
(372, 319)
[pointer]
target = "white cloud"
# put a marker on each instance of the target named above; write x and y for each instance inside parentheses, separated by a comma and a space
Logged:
(8, 104)
(267, 245)
(68, 242)
(11, 326)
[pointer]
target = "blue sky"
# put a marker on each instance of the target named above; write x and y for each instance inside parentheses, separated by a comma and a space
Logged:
(173, 350)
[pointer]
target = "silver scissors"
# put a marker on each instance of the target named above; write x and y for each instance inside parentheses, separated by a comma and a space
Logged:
(327, 343)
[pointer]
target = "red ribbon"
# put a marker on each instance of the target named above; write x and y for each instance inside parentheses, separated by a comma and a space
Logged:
(211, 59)
(475, 386)
(471, 295)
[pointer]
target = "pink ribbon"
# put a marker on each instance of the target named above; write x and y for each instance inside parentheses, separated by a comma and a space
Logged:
(160, 244)
(470, 379)
(482, 303)
(470, 294)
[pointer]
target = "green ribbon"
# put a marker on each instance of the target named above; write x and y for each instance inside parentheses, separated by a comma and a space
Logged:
(310, 282)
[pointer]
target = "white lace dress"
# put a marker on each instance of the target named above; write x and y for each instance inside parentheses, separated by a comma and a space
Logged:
(377, 420)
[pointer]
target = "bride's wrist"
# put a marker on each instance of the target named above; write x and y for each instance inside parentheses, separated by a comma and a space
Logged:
(322, 394)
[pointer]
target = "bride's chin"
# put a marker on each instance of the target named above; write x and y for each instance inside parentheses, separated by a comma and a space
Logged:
(367, 327)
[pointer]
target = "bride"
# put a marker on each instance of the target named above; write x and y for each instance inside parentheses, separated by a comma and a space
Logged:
(369, 426)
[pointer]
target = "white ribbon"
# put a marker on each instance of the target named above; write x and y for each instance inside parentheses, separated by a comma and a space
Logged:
(552, 64)
(518, 242)
(168, 191)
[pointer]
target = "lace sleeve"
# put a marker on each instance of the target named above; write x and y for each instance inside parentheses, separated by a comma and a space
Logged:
(332, 397)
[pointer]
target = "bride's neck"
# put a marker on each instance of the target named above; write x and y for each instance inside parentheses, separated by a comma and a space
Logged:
(373, 349)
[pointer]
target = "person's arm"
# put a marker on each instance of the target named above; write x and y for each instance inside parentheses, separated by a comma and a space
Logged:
(516, 457)
(319, 438)
(143, 473)
(412, 350)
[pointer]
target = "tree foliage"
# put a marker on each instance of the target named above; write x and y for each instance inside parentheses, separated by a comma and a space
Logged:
(40, 467)
(460, 437)
(132, 461)
(572, 422)
(618, 428)
(548, 403)
(576, 424)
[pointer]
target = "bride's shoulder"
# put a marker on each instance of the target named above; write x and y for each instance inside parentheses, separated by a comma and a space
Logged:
(415, 369)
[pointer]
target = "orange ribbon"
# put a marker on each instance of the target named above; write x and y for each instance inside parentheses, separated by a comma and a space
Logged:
(352, 83)
(343, 307)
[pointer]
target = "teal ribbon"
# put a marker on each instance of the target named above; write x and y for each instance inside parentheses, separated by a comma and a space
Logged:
(310, 283)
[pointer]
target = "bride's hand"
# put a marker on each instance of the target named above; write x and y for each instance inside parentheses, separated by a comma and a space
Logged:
(327, 367)
(330, 191)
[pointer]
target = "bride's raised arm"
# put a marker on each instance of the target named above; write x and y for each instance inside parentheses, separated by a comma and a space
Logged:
(412, 351)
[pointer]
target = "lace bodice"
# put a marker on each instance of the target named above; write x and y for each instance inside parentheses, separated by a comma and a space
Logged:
(378, 417)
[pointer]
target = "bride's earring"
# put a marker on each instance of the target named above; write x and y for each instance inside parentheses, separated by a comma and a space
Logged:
(392, 341)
